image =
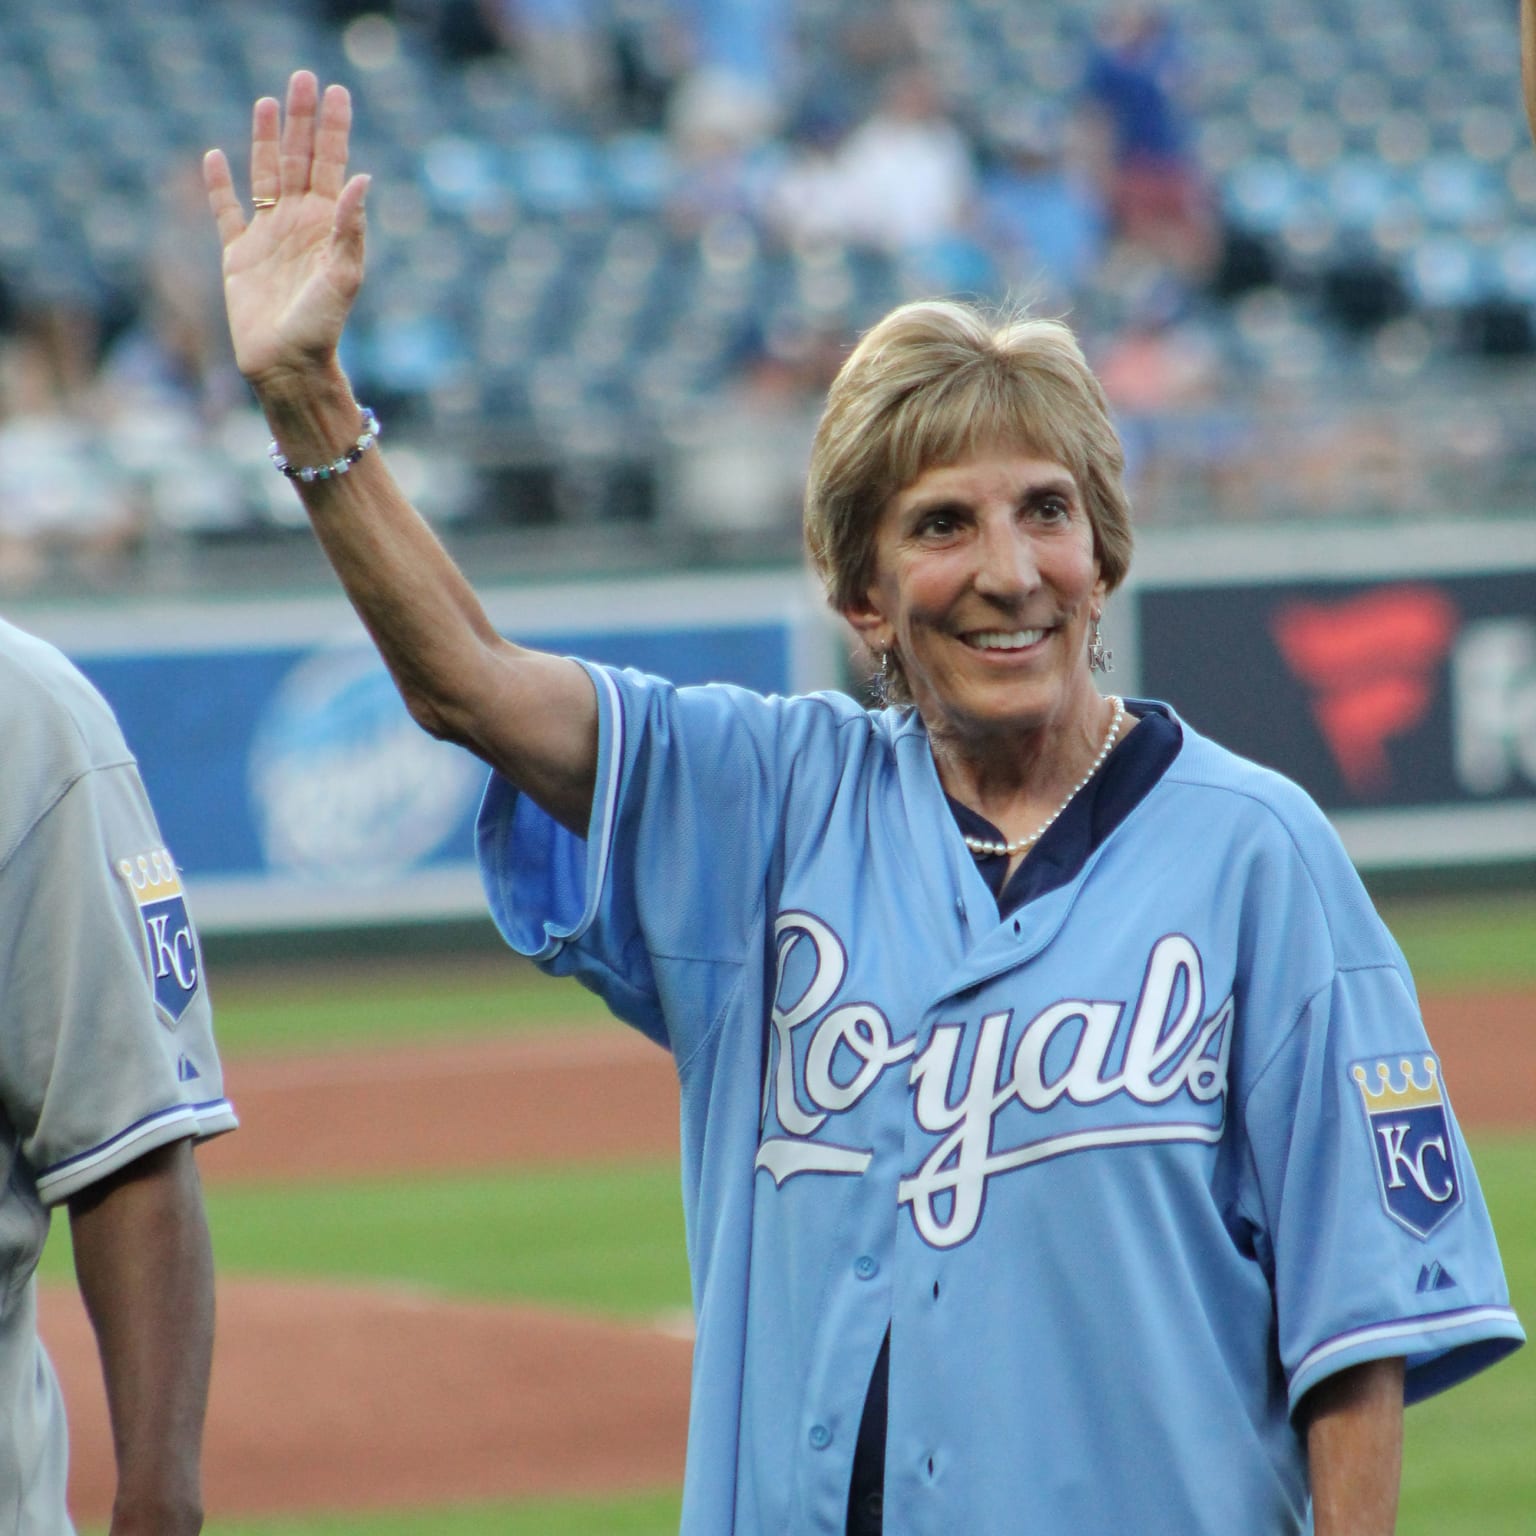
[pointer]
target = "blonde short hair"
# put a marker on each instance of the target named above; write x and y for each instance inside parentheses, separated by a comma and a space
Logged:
(933, 383)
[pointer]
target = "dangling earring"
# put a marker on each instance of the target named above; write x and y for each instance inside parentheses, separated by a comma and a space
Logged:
(1100, 657)
(879, 684)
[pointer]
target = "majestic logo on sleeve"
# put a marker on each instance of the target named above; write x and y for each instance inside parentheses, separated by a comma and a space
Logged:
(1411, 1137)
(1106, 1073)
(170, 947)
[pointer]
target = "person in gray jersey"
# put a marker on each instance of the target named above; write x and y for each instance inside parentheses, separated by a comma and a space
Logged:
(108, 1076)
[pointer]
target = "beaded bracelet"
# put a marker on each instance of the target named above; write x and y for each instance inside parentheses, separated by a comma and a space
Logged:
(311, 472)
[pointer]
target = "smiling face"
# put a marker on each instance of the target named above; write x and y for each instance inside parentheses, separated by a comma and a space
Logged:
(985, 584)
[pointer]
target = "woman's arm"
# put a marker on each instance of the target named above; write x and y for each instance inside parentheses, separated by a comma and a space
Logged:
(145, 1270)
(1354, 1420)
(1354, 1429)
(291, 274)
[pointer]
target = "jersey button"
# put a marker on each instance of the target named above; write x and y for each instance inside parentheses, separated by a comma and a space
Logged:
(865, 1267)
(820, 1437)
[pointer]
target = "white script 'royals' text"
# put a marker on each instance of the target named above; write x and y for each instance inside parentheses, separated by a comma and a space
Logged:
(1172, 1055)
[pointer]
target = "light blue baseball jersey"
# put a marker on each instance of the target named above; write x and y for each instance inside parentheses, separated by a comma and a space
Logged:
(1125, 1173)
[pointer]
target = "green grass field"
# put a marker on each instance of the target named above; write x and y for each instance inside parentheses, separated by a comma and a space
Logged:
(384, 999)
(648, 1514)
(1484, 941)
(610, 1239)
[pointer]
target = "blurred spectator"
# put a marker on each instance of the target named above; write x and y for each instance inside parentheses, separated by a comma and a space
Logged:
(1041, 212)
(653, 49)
(169, 357)
(465, 30)
(562, 46)
(819, 124)
(727, 110)
(908, 169)
(738, 465)
(751, 41)
(176, 351)
(722, 134)
(901, 184)
(1156, 192)
(61, 504)
(808, 193)
(849, 53)
(1188, 440)
(168, 386)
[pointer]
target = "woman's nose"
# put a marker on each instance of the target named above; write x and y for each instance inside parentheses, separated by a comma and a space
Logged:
(1006, 564)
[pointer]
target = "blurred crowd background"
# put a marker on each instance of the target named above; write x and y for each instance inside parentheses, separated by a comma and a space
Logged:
(618, 247)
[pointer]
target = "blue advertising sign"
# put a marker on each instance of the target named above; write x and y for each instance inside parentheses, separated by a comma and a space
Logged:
(294, 789)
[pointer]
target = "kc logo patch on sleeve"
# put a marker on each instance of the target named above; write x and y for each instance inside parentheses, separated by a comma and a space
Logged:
(1411, 1138)
(169, 944)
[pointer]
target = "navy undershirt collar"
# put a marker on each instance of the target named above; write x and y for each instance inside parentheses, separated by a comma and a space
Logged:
(1127, 776)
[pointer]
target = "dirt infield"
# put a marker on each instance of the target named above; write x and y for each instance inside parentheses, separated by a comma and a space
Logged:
(335, 1398)
(328, 1397)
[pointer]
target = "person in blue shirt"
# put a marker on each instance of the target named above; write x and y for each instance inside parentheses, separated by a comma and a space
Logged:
(1061, 1147)
(1133, 79)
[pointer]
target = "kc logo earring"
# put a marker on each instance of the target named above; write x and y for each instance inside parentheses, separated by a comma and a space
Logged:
(1100, 657)
(880, 683)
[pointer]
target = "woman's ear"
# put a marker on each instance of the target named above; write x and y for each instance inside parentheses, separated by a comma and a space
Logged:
(869, 623)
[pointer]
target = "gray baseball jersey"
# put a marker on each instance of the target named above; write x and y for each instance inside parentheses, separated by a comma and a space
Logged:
(107, 1049)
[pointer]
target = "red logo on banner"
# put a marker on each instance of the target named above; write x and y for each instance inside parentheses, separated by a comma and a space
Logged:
(1370, 664)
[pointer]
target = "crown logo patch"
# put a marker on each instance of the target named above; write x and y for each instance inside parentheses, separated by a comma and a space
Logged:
(1411, 1138)
(170, 946)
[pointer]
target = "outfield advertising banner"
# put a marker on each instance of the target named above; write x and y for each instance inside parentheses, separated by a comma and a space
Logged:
(292, 786)
(1393, 674)
(1404, 701)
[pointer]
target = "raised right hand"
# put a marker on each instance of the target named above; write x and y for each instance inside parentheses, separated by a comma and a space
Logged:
(293, 270)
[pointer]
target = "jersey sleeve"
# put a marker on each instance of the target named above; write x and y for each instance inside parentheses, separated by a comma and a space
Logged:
(663, 898)
(1363, 1192)
(109, 1047)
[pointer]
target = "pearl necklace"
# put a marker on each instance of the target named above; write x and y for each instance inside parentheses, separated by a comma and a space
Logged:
(986, 846)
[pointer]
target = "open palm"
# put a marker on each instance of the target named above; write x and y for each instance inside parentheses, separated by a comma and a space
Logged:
(292, 271)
